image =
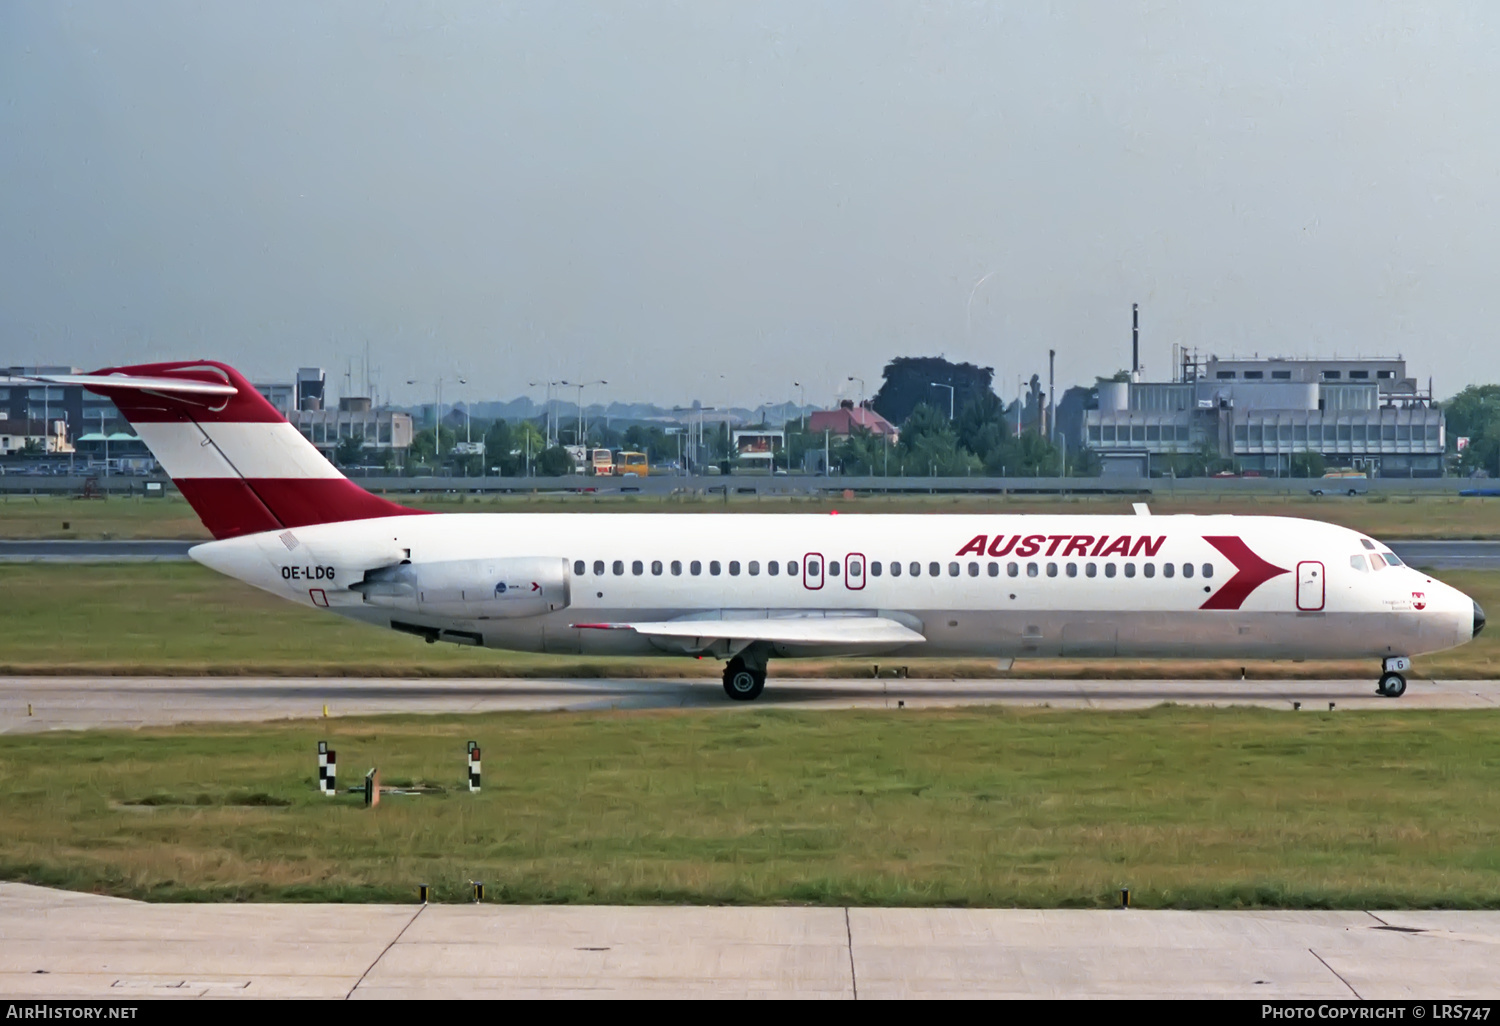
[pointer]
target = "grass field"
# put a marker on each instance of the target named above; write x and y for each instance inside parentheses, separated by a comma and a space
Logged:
(181, 619)
(1389, 517)
(1189, 807)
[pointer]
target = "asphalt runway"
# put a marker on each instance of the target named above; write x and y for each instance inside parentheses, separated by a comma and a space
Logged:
(61, 945)
(1438, 555)
(29, 704)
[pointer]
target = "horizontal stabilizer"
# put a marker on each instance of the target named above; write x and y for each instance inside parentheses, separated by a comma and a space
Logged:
(145, 383)
(843, 630)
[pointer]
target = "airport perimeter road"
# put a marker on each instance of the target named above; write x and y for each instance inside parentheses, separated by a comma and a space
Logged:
(79, 703)
(57, 944)
(1439, 555)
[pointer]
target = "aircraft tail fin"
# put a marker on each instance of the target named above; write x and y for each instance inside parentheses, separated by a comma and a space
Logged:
(236, 459)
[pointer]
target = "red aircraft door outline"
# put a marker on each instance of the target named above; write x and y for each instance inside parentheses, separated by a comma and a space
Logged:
(812, 571)
(1311, 587)
(854, 571)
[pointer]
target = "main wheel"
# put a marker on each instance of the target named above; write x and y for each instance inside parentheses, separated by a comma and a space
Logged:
(742, 683)
(1392, 685)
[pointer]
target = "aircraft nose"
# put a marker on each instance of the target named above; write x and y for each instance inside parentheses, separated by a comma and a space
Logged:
(1478, 619)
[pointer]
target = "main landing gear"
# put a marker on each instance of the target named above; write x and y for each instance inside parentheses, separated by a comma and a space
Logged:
(1392, 680)
(743, 681)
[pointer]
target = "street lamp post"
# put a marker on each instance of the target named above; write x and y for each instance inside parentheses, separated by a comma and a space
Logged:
(548, 421)
(581, 385)
(854, 377)
(801, 405)
(939, 384)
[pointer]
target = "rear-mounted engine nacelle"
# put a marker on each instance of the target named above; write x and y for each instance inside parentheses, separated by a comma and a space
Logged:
(470, 589)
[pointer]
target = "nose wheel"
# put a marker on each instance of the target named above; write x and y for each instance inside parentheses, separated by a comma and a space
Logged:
(1392, 685)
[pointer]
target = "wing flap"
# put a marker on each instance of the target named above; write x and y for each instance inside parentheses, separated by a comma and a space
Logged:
(850, 630)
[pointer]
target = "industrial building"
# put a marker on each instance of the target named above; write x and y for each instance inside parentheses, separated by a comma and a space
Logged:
(1361, 414)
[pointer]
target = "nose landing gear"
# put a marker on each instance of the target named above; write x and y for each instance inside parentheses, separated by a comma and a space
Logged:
(1392, 681)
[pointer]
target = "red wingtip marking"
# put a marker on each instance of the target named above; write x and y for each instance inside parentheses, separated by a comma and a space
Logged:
(1252, 572)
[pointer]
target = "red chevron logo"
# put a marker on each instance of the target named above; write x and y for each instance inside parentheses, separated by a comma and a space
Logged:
(1250, 573)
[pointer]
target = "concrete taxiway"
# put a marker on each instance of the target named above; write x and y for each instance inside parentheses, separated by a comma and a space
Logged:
(62, 945)
(79, 703)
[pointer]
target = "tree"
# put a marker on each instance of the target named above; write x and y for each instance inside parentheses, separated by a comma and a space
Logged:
(1474, 414)
(1308, 464)
(909, 380)
(350, 451)
(554, 462)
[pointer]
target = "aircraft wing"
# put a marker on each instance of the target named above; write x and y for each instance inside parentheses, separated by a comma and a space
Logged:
(843, 630)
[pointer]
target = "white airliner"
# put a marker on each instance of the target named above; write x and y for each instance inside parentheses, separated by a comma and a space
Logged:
(745, 588)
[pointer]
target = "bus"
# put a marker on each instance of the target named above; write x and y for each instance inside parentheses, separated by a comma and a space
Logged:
(602, 463)
(629, 462)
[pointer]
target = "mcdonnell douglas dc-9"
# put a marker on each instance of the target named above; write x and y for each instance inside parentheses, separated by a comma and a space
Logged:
(746, 588)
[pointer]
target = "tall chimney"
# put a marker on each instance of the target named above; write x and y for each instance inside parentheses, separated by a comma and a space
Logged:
(1135, 341)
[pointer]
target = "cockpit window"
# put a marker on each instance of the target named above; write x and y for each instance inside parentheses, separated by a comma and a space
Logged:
(1358, 562)
(1367, 543)
(1392, 559)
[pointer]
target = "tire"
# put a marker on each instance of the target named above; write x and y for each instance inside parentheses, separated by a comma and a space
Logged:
(743, 684)
(1392, 685)
(1353, 493)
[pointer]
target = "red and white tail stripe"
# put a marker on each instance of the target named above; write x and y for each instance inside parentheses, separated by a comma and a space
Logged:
(238, 462)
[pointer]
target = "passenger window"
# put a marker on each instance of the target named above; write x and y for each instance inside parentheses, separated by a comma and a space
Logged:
(598, 568)
(1051, 569)
(1208, 569)
(637, 568)
(695, 568)
(994, 569)
(754, 568)
(676, 568)
(1013, 569)
(619, 567)
(812, 568)
(773, 568)
(934, 569)
(1150, 569)
(952, 569)
(916, 569)
(734, 568)
(1090, 570)
(1031, 570)
(1187, 569)
(1072, 569)
(791, 568)
(1168, 569)
(854, 568)
(833, 568)
(973, 569)
(1109, 569)
(1358, 562)
(656, 568)
(1129, 569)
(875, 568)
(713, 567)
(895, 569)
(578, 568)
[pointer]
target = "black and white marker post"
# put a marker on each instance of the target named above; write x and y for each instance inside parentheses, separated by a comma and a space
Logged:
(327, 769)
(473, 767)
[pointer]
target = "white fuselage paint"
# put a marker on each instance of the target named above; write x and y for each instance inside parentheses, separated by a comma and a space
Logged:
(1360, 613)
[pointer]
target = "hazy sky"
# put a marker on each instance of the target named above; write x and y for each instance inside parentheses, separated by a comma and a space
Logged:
(710, 199)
